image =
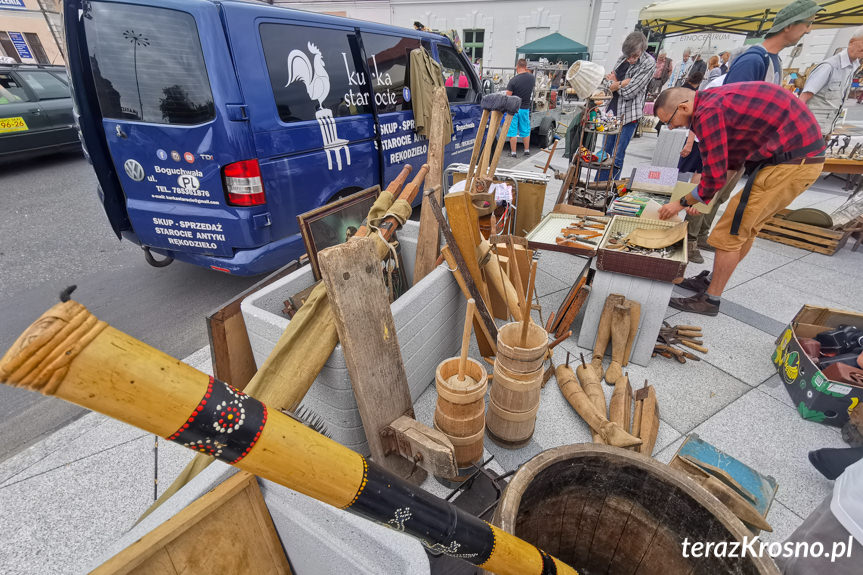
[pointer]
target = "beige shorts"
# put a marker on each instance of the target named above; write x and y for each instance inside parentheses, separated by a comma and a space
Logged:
(774, 188)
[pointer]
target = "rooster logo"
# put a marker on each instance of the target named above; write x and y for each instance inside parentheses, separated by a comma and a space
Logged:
(313, 74)
(315, 77)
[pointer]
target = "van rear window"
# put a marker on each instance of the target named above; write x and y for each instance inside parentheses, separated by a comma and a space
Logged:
(314, 72)
(147, 64)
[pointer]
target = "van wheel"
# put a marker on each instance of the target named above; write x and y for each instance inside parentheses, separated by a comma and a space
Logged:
(549, 137)
(343, 194)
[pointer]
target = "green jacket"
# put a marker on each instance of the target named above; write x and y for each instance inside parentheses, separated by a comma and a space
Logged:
(426, 75)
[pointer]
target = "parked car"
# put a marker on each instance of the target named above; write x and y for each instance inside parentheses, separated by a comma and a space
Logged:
(35, 112)
(212, 124)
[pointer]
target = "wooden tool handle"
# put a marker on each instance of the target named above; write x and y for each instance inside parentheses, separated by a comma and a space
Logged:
(687, 333)
(696, 347)
(465, 338)
(526, 319)
(553, 344)
(549, 323)
(474, 155)
(409, 194)
(688, 327)
(396, 185)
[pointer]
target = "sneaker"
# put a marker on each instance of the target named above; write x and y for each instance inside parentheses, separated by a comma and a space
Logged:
(527, 153)
(703, 245)
(694, 255)
(695, 304)
(698, 283)
(512, 155)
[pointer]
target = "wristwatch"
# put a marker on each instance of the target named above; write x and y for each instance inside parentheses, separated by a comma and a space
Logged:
(683, 202)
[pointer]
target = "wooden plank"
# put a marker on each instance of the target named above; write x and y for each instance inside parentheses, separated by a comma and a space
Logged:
(367, 332)
(464, 225)
(230, 350)
(649, 428)
(796, 231)
(815, 232)
(798, 244)
(235, 512)
(528, 213)
(428, 242)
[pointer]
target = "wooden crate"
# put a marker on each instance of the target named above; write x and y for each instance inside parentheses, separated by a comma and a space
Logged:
(805, 236)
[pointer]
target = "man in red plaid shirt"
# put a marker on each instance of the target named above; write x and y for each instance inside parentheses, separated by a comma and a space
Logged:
(753, 124)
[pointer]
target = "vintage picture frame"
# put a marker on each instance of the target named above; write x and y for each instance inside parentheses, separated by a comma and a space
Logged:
(329, 225)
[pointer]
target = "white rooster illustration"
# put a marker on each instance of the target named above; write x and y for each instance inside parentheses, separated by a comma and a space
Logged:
(317, 83)
(315, 78)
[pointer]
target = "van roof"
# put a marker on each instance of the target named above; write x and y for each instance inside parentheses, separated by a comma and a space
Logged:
(339, 20)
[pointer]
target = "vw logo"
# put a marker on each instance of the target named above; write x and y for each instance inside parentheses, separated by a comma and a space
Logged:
(134, 170)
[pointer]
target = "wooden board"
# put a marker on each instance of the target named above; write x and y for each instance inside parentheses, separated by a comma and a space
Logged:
(228, 530)
(464, 224)
(842, 166)
(230, 349)
(531, 198)
(805, 236)
(367, 332)
(428, 242)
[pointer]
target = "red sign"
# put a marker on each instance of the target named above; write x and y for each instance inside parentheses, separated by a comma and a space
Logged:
(653, 175)
(189, 157)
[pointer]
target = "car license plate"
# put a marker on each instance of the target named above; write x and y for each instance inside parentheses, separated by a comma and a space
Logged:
(13, 125)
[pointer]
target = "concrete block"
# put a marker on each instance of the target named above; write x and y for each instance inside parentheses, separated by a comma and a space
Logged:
(653, 297)
(428, 319)
(320, 539)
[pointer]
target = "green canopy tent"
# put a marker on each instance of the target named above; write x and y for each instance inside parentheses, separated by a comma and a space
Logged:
(556, 47)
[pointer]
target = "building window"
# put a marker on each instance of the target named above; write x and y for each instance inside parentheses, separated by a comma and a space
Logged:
(7, 47)
(36, 48)
(472, 43)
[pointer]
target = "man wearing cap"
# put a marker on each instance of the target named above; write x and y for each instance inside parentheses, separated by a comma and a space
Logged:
(828, 84)
(762, 62)
(756, 125)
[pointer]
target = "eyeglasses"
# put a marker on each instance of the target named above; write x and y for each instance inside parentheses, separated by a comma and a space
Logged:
(668, 123)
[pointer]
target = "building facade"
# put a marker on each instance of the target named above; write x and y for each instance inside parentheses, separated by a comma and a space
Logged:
(30, 31)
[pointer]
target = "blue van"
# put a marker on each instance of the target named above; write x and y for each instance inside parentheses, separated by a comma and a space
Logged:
(212, 124)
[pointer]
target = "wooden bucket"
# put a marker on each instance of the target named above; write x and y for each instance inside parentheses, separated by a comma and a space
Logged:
(517, 392)
(508, 428)
(518, 359)
(603, 509)
(460, 409)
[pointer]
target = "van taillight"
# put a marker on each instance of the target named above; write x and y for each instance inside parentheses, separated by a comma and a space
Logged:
(243, 184)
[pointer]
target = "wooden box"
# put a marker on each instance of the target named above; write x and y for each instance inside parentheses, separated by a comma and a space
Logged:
(645, 266)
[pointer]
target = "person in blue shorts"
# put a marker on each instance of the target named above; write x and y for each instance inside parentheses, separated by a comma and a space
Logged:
(521, 85)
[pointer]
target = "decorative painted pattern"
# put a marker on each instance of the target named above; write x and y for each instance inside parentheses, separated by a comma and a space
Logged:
(225, 424)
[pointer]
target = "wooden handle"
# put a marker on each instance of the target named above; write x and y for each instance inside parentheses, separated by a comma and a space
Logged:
(465, 338)
(688, 327)
(474, 155)
(696, 347)
(526, 319)
(553, 344)
(501, 140)
(396, 185)
(519, 289)
(549, 322)
(409, 194)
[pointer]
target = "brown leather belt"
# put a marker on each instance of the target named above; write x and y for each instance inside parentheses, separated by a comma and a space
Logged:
(803, 161)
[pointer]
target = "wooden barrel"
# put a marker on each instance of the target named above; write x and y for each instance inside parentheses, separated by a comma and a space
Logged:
(509, 428)
(519, 359)
(603, 509)
(517, 392)
(460, 409)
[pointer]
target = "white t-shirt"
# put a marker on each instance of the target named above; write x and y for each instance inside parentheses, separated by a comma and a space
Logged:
(847, 502)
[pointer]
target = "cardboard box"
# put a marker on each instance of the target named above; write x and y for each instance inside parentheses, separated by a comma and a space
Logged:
(816, 397)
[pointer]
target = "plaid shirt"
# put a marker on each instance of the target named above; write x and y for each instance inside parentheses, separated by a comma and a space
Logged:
(748, 122)
(630, 105)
